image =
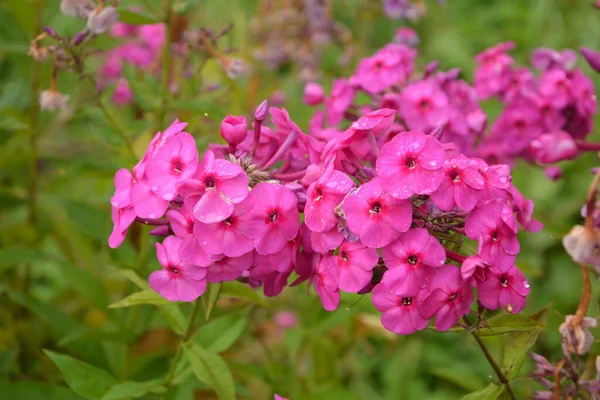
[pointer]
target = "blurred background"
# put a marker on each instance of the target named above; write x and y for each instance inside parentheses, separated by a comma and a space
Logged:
(57, 274)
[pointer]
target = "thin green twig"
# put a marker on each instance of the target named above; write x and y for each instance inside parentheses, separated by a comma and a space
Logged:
(166, 61)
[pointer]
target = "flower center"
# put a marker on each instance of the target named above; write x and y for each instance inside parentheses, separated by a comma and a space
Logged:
(375, 208)
(410, 162)
(318, 194)
(455, 175)
(412, 259)
(452, 296)
(424, 104)
(345, 256)
(177, 165)
(273, 215)
(504, 281)
(174, 270)
(209, 182)
(520, 124)
(406, 301)
(228, 221)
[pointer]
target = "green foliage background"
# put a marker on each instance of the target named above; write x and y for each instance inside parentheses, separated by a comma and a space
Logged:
(58, 275)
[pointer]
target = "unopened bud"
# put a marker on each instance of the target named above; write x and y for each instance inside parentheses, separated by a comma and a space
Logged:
(51, 32)
(431, 68)
(234, 129)
(233, 67)
(77, 8)
(578, 337)
(79, 37)
(52, 100)
(583, 244)
(313, 94)
(592, 57)
(101, 19)
(260, 114)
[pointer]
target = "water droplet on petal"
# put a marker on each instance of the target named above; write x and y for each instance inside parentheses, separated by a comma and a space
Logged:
(509, 308)
(526, 284)
(502, 180)
(433, 163)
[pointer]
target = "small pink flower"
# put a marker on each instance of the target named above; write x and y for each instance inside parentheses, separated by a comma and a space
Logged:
(505, 286)
(286, 319)
(553, 147)
(313, 94)
(181, 222)
(410, 164)
(355, 263)
(123, 182)
(220, 183)
(400, 310)
(391, 65)
(323, 196)
(326, 283)
(177, 281)
(556, 86)
(461, 186)
(146, 200)
(234, 129)
(229, 268)
(123, 94)
(424, 106)
(122, 218)
(473, 270)
(342, 96)
(449, 297)
(411, 260)
(276, 210)
(407, 36)
(378, 121)
(375, 216)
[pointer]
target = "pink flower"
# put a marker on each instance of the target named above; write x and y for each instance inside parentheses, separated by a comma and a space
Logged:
(410, 164)
(122, 218)
(313, 94)
(123, 94)
(177, 281)
(391, 65)
(175, 160)
(407, 36)
(229, 268)
(449, 297)
(411, 260)
(424, 106)
(553, 147)
(400, 310)
(342, 96)
(505, 286)
(234, 235)
(286, 319)
(146, 200)
(493, 224)
(123, 182)
(181, 222)
(278, 397)
(323, 196)
(234, 129)
(355, 263)
(378, 121)
(556, 86)
(375, 216)
(592, 57)
(326, 283)
(220, 183)
(461, 186)
(545, 59)
(473, 270)
(276, 210)
(493, 73)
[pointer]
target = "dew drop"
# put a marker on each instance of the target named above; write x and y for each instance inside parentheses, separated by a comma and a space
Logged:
(154, 188)
(502, 180)
(526, 284)
(151, 215)
(509, 308)
(433, 163)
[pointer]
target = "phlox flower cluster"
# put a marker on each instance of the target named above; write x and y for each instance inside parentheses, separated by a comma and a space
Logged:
(141, 48)
(546, 112)
(374, 208)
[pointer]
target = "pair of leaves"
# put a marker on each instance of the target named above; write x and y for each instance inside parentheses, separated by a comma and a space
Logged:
(96, 384)
(210, 369)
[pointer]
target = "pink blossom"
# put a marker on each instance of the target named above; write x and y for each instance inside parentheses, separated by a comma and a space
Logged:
(286, 319)
(220, 183)
(411, 260)
(177, 281)
(313, 94)
(146, 200)
(342, 96)
(545, 59)
(378, 121)
(401, 313)
(449, 297)
(424, 106)
(181, 222)
(326, 283)
(234, 129)
(123, 94)
(276, 211)
(407, 36)
(473, 270)
(122, 218)
(375, 216)
(323, 196)
(410, 164)
(355, 263)
(391, 65)
(461, 186)
(556, 86)
(493, 72)
(553, 147)
(229, 268)
(505, 286)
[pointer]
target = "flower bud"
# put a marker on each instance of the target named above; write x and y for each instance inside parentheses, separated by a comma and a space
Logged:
(578, 338)
(260, 114)
(431, 68)
(52, 100)
(101, 19)
(477, 121)
(234, 129)
(79, 37)
(583, 244)
(407, 36)
(592, 57)
(553, 147)
(553, 173)
(233, 67)
(313, 94)
(51, 32)
(77, 8)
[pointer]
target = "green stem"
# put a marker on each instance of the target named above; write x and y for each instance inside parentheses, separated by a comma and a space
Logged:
(166, 60)
(117, 127)
(186, 336)
(503, 379)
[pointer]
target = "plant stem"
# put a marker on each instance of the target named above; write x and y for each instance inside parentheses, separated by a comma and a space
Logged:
(186, 336)
(166, 63)
(491, 360)
(117, 127)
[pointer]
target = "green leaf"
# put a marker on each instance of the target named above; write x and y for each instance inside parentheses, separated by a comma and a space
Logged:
(174, 317)
(147, 296)
(213, 290)
(136, 17)
(128, 389)
(86, 284)
(35, 390)
(507, 323)
(210, 369)
(10, 256)
(241, 291)
(490, 392)
(133, 276)
(517, 345)
(84, 379)
(220, 333)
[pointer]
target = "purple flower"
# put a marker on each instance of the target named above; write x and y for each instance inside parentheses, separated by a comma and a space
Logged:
(177, 281)
(592, 57)
(375, 216)
(401, 310)
(505, 286)
(410, 163)
(411, 260)
(556, 86)
(449, 297)
(424, 106)
(461, 186)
